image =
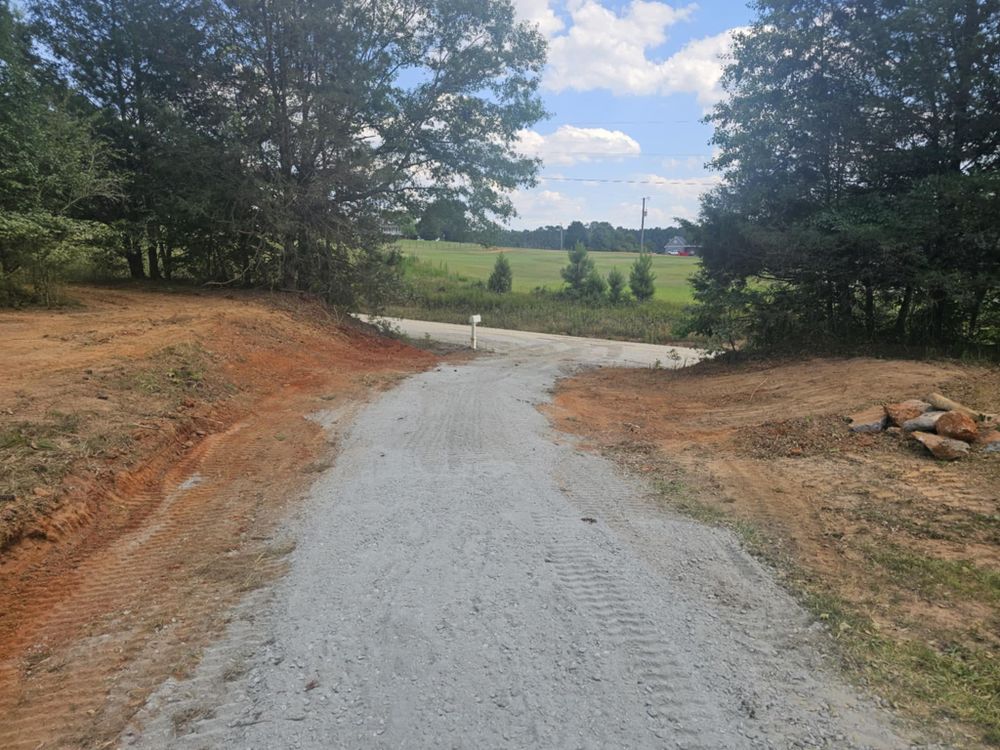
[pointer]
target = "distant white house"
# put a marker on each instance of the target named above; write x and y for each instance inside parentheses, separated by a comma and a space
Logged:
(678, 245)
(391, 229)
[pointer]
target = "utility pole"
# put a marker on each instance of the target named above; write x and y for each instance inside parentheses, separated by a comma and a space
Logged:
(560, 237)
(642, 227)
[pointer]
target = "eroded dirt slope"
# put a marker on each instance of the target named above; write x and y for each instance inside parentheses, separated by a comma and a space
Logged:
(148, 444)
(912, 545)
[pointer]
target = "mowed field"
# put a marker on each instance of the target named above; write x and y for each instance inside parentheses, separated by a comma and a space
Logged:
(535, 268)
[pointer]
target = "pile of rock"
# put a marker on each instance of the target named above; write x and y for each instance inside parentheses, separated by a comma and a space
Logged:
(946, 428)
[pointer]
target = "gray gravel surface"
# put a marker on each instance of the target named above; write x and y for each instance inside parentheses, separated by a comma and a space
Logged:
(548, 345)
(446, 591)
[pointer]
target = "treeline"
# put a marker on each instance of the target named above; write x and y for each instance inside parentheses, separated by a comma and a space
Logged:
(597, 235)
(253, 143)
(860, 147)
(449, 220)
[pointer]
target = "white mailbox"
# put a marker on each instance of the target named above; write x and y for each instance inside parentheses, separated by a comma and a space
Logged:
(473, 319)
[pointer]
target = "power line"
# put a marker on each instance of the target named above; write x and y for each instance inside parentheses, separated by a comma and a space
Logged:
(630, 182)
(624, 153)
(628, 122)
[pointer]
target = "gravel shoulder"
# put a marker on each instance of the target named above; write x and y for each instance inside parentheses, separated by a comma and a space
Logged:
(465, 577)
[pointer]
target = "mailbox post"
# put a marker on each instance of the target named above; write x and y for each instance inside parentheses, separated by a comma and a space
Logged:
(473, 319)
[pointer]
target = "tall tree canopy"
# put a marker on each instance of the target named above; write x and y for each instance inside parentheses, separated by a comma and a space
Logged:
(859, 146)
(271, 142)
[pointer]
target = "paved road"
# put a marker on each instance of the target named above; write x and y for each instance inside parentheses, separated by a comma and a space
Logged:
(448, 590)
(552, 346)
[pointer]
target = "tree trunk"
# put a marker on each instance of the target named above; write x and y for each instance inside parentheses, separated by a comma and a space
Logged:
(167, 261)
(243, 258)
(152, 250)
(154, 262)
(904, 313)
(977, 306)
(845, 307)
(870, 310)
(133, 256)
(939, 309)
(288, 264)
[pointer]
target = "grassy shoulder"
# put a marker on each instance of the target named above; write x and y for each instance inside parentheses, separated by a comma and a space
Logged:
(898, 554)
(435, 293)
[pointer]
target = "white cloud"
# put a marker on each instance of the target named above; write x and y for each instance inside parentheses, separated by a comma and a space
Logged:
(687, 164)
(697, 68)
(539, 12)
(607, 50)
(572, 145)
(537, 208)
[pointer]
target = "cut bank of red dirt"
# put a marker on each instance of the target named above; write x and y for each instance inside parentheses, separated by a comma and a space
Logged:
(148, 444)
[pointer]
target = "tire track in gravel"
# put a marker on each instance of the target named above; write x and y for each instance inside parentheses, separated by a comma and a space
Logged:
(446, 592)
(664, 683)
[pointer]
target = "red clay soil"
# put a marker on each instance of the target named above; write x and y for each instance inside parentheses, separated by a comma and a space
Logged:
(872, 519)
(153, 441)
(771, 445)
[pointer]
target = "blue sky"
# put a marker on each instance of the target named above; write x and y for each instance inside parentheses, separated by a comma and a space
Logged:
(627, 83)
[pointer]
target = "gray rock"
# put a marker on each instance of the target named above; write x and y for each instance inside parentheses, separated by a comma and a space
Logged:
(990, 441)
(904, 411)
(944, 448)
(873, 419)
(924, 423)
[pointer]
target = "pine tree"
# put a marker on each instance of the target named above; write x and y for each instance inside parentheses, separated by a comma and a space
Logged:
(616, 286)
(502, 277)
(579, 269)
(641, 278)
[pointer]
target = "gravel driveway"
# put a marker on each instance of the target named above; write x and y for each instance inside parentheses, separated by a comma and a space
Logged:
(464, 577)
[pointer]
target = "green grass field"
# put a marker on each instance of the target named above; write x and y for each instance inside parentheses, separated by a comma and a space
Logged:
(540, 268)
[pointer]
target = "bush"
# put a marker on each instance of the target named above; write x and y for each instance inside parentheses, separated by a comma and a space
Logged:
(723, 315)
(36, 250)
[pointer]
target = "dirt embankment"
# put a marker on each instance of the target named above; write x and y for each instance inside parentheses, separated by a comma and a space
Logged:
(900, 553)
(149, 442)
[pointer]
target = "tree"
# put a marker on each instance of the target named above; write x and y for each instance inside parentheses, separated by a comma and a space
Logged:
(602, 236)
(580, 268)
(502, 277)
(616, 286)
(366, 107)
(858, 145)
(594, 287)
(641, 278)
(141, 63)
(576, 234)
(722, 315)
(51, 170)
(444, 219)
(269, 142)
